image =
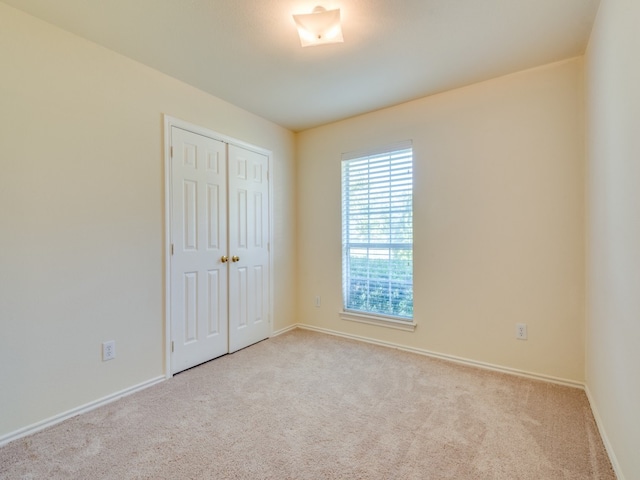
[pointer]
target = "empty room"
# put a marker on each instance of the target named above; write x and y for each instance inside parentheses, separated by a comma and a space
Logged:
(320, 240)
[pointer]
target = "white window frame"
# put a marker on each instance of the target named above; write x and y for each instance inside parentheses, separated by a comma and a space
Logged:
(357, 315)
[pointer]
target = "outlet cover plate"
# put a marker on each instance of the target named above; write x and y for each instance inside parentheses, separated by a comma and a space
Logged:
(108, 350)
(521, 331)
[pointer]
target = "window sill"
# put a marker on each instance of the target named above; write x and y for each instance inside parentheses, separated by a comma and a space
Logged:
(388, 322)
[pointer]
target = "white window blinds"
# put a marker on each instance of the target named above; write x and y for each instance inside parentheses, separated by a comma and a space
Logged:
(377, 231)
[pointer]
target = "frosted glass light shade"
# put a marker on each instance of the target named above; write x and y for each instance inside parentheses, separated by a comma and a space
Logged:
(319, 27)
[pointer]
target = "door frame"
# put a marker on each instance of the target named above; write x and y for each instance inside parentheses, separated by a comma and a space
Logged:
(169, 123)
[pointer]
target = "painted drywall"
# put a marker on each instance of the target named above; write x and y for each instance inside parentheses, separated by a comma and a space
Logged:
(612, 72)
(82, 215)
(498, 220)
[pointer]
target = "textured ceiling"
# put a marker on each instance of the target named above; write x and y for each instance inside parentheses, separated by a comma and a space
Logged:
(247, 52)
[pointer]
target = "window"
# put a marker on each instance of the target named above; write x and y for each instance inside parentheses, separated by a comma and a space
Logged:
(377, 233)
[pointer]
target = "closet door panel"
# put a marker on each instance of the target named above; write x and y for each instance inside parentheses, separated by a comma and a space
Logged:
(199, 328)
(248, 247)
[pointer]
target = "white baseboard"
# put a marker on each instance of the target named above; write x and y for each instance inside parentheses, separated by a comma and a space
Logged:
(23, 432)
(603, 434)
(284, 330)
(451, 358)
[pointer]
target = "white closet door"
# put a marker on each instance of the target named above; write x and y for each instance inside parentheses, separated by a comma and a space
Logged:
(248, 247)
(199, 326)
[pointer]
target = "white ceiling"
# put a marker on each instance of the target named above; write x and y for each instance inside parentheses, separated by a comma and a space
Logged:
(247, 51)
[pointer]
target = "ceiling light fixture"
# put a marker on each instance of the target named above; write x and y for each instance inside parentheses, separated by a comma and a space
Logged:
(319, 27)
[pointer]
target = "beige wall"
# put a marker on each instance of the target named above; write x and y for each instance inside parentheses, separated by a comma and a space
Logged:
(82, 215)
(613, 253)
(498, 213)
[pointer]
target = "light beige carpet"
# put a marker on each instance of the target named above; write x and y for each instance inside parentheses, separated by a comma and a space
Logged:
(310, 406)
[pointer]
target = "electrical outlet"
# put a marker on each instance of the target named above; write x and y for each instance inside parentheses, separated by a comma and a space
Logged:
(108, 350)
(521, 331)
(318, 300)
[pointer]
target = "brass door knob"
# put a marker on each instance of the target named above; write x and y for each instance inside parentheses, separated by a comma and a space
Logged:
(224, 259)
(235, 258)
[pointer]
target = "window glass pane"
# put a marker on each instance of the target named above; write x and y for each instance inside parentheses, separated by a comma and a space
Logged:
(377, 233)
